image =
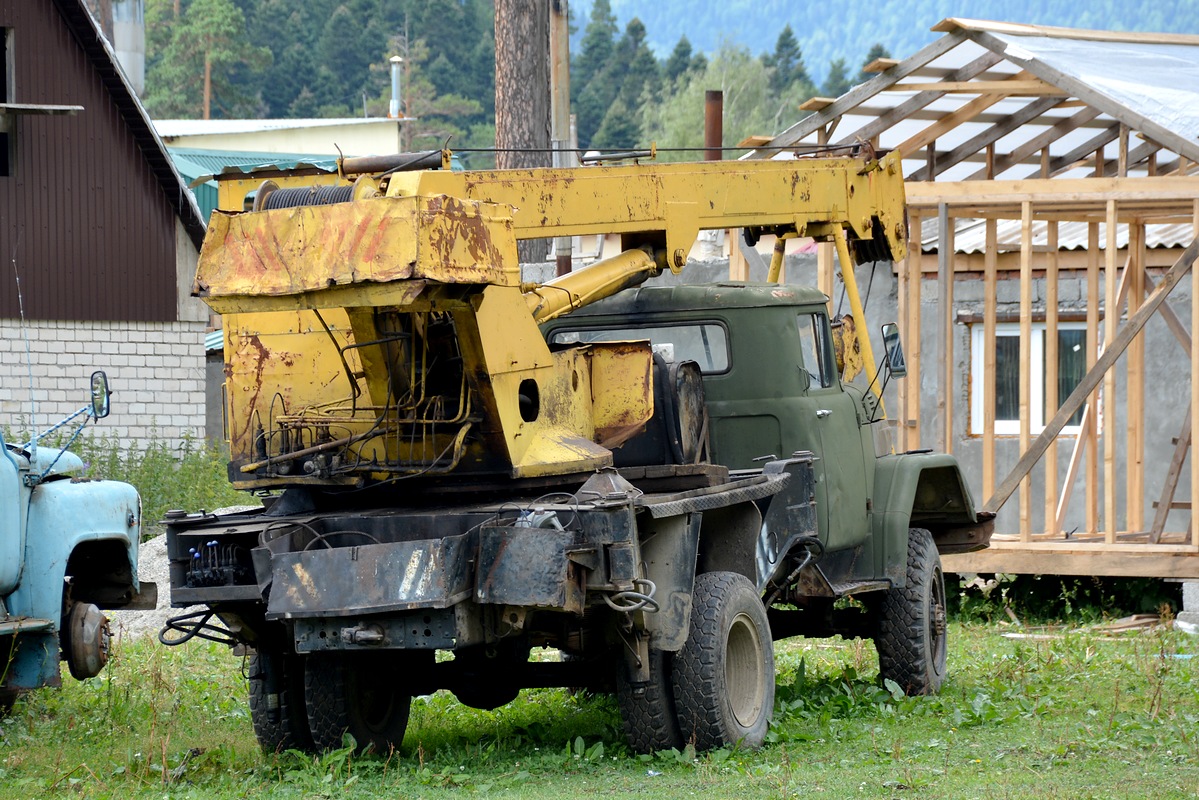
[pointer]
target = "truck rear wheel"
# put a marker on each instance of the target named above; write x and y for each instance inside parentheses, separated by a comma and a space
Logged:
(277, 701)
(724, 675)
(358, 694)
(912, 632)
(647, 709)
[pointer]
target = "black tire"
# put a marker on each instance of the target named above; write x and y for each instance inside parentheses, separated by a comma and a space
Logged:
(277, 701)
(724, 675)
(647, 709)
(362, 695)
(912, 636)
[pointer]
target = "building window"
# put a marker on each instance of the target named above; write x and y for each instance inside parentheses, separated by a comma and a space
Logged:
(1071, 367)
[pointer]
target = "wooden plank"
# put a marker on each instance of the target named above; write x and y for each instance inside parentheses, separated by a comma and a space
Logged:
(1025, 403)
(945, 248)
(1114, 349)
(1123, 565)
(1091, 482)
(1173, 321)
(1071, 190)
(956, 24)
(1051, 369)
(880, 65)
(1044, 139)
(1076, 455)
(990, 287)
(994, 132)
(1111, 318)
(1170, 485)
(912, 345)
(814, 104)
(1134, 453)
(1016, 87)
(859, 94)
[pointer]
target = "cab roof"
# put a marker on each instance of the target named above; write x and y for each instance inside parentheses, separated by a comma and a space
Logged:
(701, 297)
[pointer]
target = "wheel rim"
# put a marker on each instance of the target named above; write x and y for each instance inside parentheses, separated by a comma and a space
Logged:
(936, 620)
(743, 674)
(376, 705)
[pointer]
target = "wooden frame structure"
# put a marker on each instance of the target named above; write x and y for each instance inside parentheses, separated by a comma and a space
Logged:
(1014, 134)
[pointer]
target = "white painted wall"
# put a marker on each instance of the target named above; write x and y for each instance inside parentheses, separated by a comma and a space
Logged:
(155, 370)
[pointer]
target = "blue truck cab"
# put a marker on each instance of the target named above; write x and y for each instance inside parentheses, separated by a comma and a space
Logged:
(68, 548)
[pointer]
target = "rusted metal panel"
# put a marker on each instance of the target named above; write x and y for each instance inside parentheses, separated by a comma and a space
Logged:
(524, 566)
(291, 251)
(372, 578)
(84, 214)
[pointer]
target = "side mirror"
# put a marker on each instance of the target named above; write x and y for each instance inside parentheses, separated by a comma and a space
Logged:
(100, 393)
(895, 360)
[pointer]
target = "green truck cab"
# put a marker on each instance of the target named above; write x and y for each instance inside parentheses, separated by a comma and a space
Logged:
(772, 390)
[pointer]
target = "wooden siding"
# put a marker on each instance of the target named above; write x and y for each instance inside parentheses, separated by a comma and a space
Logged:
(82, 214)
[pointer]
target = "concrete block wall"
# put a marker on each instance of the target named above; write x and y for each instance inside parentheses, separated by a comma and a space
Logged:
(155, 370)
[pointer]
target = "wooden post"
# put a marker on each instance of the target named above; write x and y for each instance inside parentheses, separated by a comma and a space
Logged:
(945, 254)
(1025, 361)
(1111, 318)
(990, 278)
(1194, 381)
(1051, 372)
(912, 344)
(824, 272)
(1134, 460)
(1091, 481)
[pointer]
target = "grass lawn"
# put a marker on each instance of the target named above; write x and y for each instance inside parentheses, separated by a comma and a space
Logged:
(1076, 715)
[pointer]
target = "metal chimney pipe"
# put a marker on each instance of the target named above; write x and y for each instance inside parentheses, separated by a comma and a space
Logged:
(713, 124)
(393, 108)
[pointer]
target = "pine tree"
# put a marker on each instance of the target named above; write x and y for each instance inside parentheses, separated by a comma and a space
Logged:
(641, 73)
(599, 41)
(679, 61)
(619, 130)
(876, 51)
(786, 63)
(837, 83)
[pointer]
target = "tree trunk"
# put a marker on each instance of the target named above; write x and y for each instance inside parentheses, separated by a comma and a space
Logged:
(522, 94)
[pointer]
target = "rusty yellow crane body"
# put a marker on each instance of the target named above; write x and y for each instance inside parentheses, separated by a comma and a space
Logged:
(387, 335)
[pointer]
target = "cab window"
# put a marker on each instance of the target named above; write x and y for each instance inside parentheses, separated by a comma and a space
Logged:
(705, 343)
(817, 350)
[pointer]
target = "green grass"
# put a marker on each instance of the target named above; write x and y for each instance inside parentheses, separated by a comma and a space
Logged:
(1077, 716)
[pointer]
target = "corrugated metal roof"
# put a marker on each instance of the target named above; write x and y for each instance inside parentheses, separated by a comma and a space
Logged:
(970, 235)
(199, 127)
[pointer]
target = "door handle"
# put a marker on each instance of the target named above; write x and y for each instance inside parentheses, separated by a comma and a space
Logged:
(821, 413)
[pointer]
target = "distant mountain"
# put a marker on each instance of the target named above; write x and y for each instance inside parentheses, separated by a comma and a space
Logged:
(847, 29)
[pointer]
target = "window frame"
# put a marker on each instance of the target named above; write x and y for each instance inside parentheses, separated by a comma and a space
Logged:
(1011, 427)
(644, 325)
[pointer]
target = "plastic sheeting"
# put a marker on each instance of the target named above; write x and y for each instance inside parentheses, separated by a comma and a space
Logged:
(1157, 81)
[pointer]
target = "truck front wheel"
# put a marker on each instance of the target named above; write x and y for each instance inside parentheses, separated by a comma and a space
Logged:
(911, 640)
(359, 694)
(724, 675)
(277, 701)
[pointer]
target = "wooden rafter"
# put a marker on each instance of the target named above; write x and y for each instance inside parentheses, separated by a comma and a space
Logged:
(950, 121)
(1034, 87)
(988, 137)
(805, 127)
(1034, 145)
(920, 100)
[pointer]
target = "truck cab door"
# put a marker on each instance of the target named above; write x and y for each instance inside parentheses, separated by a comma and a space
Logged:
(829, 427)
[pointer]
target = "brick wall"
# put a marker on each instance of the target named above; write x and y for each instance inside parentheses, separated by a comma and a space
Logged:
(155, 370)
